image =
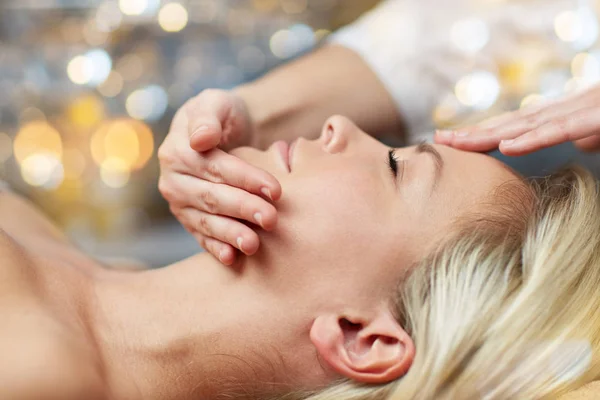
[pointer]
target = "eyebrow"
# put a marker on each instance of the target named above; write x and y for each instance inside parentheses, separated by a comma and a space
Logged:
(437, 157)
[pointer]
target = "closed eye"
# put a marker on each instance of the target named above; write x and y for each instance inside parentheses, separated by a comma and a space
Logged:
(393, 163)
(396, 166)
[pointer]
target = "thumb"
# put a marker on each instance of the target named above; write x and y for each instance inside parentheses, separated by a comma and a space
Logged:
(206, 114)
(205, 135)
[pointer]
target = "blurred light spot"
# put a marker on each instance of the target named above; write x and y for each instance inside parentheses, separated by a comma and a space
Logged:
(130, 142)
(92, 68)
(5, 147)
(252, 59)
(470, 35)
(294, 6)
(146, 144)
(567, 26)
(42, 170)
(172, 17)
(108, 16)
(532, 99)
(114, 173)
(101, 66)
(290, 42)
(80, 70)
(37, 137)
(130, 67)
(479, 90)
(112, 86)
(133, 7)
(149, 103)
(32, 114)
(117, 140)
(74, 163)
(586, 67)
(578, 27)
(86, 112)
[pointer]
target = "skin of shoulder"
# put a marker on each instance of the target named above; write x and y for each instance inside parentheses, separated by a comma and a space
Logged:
(39, 360)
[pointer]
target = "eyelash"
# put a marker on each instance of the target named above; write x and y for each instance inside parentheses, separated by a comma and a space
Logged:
(393, 164)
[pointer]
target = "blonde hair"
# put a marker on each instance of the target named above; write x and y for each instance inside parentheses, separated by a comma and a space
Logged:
(509, 307)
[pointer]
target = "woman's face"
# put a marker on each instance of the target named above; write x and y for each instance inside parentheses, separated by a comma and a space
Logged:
(347, 217)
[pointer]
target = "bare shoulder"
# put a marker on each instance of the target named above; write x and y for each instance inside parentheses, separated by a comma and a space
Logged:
(38, 359)
(43, 368)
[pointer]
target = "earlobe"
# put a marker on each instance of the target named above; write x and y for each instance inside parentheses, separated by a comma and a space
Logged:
(370, 350)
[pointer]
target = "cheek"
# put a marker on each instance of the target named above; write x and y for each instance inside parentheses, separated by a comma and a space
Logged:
(337, 218)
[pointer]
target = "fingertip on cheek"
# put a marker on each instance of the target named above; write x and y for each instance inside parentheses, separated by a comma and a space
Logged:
(276, 192)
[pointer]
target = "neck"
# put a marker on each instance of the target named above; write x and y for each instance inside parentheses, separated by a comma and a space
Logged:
(197, 329)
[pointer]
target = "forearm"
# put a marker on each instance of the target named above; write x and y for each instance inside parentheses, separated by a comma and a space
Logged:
(296, 99)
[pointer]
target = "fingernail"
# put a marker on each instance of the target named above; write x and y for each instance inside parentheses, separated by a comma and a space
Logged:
(222, 255)
(201, 129)
(446, 134)
(240, 242)
(266, 192)
(508, 142)
(462, 134)
(258, 218)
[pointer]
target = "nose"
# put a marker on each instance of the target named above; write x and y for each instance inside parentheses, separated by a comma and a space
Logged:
(337, 133)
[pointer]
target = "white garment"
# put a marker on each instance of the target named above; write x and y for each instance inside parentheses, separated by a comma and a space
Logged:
(412, 46)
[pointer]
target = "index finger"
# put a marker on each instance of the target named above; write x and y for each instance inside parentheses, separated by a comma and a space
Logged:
(221, 167)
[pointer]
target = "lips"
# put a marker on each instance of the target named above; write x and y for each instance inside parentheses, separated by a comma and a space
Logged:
(291, 153)
(284, 150)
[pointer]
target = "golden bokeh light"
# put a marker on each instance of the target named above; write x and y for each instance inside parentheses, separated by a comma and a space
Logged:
(129, 141)
(173, 17)
(114, 173)
(37, 137)
(86, 112)
(146, 143)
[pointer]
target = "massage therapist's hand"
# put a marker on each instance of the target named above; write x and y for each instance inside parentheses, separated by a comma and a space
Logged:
(210, 191)
(575, 118)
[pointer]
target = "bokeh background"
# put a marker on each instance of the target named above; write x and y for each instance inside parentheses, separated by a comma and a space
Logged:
(88, 89)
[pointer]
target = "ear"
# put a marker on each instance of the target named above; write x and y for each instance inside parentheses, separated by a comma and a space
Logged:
(374, 350)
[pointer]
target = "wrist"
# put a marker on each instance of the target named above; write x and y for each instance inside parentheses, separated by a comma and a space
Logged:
(271, 115)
